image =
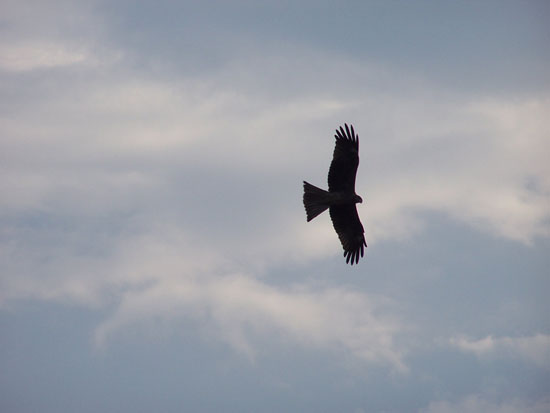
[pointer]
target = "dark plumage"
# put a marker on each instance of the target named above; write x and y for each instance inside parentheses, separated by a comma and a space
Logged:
(341, 198)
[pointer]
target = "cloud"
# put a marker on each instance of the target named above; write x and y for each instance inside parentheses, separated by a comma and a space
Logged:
(471, 160)
(222, 160)
(103, 158)
(479, 403)
(39, 36)
(534, 349)
(164, 276)
(243, 312)
(177, 283)
(26, 57)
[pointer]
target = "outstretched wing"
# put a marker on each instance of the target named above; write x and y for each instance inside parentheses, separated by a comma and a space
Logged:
(341, 175)
(350, 231)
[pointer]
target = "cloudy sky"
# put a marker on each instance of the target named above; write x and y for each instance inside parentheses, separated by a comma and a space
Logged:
(154, 251)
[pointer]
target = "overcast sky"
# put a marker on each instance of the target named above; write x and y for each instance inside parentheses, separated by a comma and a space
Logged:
(154, 250)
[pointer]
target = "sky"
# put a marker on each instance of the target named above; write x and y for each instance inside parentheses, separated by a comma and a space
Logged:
(154, 249)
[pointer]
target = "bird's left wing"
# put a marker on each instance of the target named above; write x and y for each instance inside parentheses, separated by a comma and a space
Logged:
(350, 231)
(345, 160)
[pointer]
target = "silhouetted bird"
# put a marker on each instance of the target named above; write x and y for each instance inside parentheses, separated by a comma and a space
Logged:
(341, 197)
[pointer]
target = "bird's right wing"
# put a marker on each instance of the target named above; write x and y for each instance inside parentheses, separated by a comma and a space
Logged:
(350, 231)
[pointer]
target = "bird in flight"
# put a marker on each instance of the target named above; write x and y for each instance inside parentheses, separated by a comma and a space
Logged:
(340, 199)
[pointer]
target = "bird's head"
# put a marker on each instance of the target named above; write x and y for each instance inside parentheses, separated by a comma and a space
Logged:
(358, 199)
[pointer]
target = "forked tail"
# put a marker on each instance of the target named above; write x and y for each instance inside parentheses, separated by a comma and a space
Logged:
(315, 200)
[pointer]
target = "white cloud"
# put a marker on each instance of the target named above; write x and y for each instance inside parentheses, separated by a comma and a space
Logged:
(141, 148)
(478, 403)
(152, 158)
(37, 35)
(24, 57)
(121, 150)
(240, 309)
(463, 158)
(165, 276)
(172, 280)
(535, 349)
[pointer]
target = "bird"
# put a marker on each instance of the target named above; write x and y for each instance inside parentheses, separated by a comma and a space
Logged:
(340, 199)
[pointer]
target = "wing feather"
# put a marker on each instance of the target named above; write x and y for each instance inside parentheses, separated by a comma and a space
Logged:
(348, 226)
(345, 160)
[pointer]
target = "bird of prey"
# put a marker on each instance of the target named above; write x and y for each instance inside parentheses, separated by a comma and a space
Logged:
(340, 198)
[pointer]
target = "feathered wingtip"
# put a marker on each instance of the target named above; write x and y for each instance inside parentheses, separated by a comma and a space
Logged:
(347, 135)
(315, 200)
(352, 257)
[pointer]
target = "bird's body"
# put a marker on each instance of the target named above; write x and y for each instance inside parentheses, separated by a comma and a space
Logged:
(340, 198)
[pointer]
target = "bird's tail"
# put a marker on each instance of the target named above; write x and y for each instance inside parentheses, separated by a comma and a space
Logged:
(315, 200)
